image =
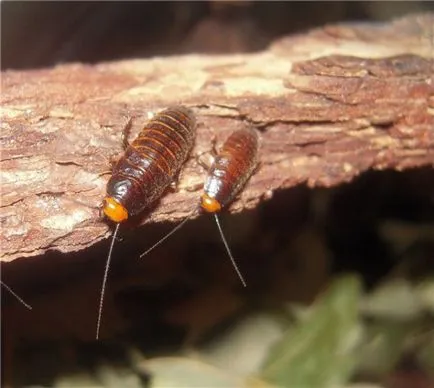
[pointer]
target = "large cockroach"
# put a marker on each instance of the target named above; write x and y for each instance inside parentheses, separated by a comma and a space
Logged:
(21, 300)
(149, 165)
(230, 170)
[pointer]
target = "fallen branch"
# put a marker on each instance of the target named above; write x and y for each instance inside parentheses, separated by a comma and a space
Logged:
(330, 104)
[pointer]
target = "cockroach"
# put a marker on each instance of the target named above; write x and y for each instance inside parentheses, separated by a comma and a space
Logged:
(149, 165)
(21, 300)
(230, 170)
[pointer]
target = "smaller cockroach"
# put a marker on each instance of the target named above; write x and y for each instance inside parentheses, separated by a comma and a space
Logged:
(149, 165)
(21, 300)
(229, 172)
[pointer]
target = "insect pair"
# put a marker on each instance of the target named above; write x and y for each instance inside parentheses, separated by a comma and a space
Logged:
(152, 162)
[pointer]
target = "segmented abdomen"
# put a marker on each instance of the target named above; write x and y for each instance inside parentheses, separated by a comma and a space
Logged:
(152, 161)
(233, 166)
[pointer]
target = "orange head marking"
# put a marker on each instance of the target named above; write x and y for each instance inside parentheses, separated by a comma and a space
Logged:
(210, 205)
(114, 210)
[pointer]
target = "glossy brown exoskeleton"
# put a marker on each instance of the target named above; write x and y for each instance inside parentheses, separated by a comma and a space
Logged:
(150, 163)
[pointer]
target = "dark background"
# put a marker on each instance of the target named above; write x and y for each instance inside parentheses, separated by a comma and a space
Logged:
(40, 34)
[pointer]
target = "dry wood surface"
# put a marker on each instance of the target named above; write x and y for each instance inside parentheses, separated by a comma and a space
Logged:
(330, 104)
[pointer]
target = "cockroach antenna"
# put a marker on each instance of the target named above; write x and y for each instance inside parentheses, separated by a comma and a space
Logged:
(177, 227)
(228, 250)
(182, 223)
(104, 280)
(21, 300)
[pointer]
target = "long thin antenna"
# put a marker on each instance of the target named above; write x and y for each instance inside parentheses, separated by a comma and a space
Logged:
(228, 250)
(16, 295)
(104, 281)
(169, 234)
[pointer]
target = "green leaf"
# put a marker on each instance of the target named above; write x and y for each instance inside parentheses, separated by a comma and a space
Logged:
(383, 346)
(319, 351)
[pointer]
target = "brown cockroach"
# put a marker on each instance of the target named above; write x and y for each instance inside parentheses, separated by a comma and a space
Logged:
(230, 170)
(21, 300)
(149, 165)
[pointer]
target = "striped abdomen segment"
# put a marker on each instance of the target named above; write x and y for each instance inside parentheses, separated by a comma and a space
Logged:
(232, 167)
(153, 160)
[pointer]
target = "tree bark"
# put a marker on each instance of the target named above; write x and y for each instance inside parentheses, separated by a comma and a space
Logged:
(329, 104)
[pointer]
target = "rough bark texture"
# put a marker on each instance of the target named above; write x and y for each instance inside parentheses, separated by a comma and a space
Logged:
(330, 104)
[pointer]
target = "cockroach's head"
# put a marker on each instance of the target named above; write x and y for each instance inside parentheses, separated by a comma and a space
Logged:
(113, 210)
(209, 204)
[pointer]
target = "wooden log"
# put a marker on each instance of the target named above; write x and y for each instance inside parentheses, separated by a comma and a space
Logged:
(330, 104)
